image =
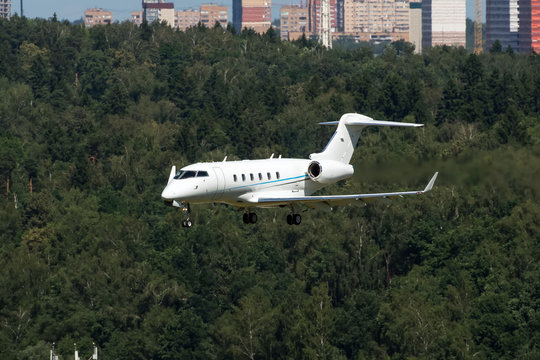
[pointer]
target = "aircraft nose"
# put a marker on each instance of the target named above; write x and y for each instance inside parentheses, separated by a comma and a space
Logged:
(168, 193)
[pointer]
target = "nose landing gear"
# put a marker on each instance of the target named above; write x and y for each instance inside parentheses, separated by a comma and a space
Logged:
(187, 223)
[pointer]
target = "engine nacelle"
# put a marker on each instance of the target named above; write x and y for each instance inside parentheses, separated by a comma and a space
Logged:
(329, 171)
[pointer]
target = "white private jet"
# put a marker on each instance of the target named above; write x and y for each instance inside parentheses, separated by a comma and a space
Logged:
(278, 182)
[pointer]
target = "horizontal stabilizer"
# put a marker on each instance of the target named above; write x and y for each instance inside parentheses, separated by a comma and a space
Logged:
(341, 145)
(368, 122)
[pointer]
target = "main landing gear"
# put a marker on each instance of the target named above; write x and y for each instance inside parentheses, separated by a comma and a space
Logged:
(187, 223)
(249, 218)
(294, 219)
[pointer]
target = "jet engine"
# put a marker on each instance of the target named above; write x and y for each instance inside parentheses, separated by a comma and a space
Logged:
(329, 171)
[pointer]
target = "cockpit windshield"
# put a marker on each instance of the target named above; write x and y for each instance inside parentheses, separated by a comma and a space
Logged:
(185, 174)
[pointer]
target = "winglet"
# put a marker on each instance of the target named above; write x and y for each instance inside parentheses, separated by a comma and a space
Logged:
(431, 182)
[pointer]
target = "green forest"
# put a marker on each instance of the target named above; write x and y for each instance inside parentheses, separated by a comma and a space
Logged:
(91, 121)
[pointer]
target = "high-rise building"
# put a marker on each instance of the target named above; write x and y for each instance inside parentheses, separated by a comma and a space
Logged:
(340, 15)
(93, 17)
(514, 23)
(502, 23)
(389, 18)
(529, 26)
(443, 22)
(400, 11)
(158, 10)
(211, 13)
(252, 14)
(415, 25)
(535, 25)
(525, 26)
(185, 19)
(314, 15)
(136, 17)
(237, 14)
(5, 8)
(293, 22)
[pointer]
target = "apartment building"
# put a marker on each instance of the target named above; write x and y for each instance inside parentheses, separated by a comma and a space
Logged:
(293, 22)
(388, 18)
(93, 17)
(185, 19)
(211, 13)
(252, 14)
(5, 8)
(443, 22)
(137, 17)
(158, 10)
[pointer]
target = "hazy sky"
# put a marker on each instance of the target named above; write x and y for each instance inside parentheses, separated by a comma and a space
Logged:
(74, 9)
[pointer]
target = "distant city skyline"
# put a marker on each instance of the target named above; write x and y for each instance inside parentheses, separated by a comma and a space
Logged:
(74, 10)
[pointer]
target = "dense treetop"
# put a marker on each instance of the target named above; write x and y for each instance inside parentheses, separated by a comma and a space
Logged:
(94, 118)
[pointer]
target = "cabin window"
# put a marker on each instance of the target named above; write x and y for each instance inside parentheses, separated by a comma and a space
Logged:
(251, 177)
(243, 177)
(202, 173)
(277, 175)
(235, 178)
(269, 176)
(260, 176)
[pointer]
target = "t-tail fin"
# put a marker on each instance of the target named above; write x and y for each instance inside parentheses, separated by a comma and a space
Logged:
(342, 144)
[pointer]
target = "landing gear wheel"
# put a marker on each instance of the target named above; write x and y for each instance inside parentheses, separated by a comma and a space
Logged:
(294, 219)
(252, 218)
(187, 223)
(249, 218)
(289, 219)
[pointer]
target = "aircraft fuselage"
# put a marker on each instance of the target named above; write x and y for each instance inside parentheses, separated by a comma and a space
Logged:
(241, 183)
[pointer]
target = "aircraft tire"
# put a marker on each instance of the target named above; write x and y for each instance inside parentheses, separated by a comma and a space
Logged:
(289, 219)
(297, 219)
(187, 223)
(252, 218)
(245, 218)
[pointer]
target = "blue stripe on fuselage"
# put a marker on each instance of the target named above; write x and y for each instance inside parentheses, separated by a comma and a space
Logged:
(267, 182)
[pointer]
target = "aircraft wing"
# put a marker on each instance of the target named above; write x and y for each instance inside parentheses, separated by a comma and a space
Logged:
(332, 200)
